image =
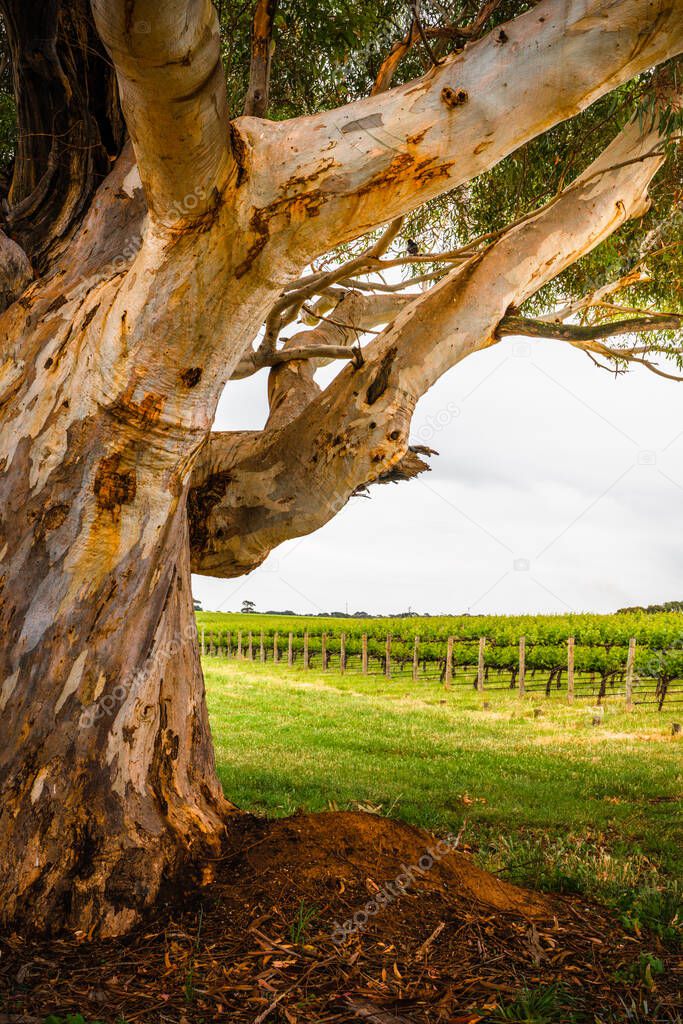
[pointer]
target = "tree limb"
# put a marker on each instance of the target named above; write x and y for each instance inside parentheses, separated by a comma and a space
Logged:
(389, 65)
(345, 171)
(592, 332)
(249, 365)
(171, 81)
(256, 102)
(588, 337)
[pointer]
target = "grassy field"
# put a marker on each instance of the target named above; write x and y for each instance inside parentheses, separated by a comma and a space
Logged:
(553, 801)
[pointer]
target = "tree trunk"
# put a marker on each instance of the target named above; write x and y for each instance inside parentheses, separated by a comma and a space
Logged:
(107, 777)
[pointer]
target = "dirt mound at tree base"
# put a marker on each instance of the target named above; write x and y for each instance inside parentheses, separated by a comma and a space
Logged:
(309, 846)
(340, 917)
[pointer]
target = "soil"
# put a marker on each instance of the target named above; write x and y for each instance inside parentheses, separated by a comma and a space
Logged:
(429, 938)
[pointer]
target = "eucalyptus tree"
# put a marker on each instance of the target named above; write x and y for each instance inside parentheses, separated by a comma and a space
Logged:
(157, 243)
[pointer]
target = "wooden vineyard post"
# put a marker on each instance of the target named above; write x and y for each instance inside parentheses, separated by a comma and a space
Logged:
(387, 657)
(570, 669)
(342, 653)
(364, 654)
(290, 650)
(630, 664)
(305, 648)
(276, 650)
(211, 644)
(480, 665)
(522, 665)
(250, 649)
(203, 643)
(323, 651)
(416, 658)
(228, 645)
(239, 643)
(448, 674)
(262, 648)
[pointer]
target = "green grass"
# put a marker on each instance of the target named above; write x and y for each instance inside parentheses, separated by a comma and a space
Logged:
(554, 801)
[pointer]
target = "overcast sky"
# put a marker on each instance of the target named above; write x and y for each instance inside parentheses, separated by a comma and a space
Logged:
(557, 488)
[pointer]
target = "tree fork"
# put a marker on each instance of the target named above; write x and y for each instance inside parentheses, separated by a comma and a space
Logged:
(252, 491)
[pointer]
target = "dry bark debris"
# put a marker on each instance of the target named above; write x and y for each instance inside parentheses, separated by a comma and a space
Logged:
(230, 949)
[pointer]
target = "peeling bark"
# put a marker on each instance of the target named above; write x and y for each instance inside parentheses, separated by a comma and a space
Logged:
(107, 779)
(345, 171)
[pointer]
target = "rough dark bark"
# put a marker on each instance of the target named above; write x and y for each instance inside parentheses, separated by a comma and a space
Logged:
(69, 122)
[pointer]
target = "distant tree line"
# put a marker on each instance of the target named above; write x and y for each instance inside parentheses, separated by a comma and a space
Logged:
(652, 609)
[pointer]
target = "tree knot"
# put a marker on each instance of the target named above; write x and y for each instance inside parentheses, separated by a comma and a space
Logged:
(381, 379)
(112, 487)
(454, 97)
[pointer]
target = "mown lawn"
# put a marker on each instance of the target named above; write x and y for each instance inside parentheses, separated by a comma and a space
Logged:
(554, 802)
(287, 740)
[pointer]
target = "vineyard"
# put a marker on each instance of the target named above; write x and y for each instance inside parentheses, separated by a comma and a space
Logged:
(636, 656)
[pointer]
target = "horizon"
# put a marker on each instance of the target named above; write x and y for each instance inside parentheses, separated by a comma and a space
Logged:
(288, 613)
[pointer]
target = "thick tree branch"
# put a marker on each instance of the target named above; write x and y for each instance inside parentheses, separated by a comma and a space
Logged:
(256, 102)
(289, 481)
(347, 170)
(167, 59)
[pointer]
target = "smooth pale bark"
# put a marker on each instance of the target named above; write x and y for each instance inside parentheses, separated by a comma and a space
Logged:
(252, 492)
(172, 87)
(101, 424)
(345, 171)
(95, 612)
